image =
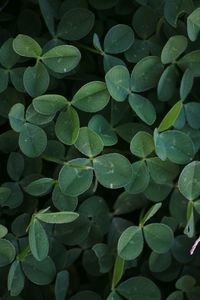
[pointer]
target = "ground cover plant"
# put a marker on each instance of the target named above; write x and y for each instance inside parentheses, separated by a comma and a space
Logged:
(99, 146)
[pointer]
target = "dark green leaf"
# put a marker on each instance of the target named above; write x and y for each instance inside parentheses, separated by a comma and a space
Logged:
(69, 27)
(39, 272)
(137, 288)
(7, 252)
(118, 39)
(61, 285)
(159, 237)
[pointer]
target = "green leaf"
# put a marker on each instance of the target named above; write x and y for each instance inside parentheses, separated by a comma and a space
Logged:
(159, 262)
(69, 27)
(105, 258)
(90, 295)
(143, 108)
(127, 203)
(118, 39)
(159, 237)
(192, 110)
(178, 146)
(174, 47)
(36, 118)
(16, 279)
(5, 193)
(12, 198)
(16, 117)
(177, 295)
(118, 271)
(62, 59)
(67, 126)
(118, 81)
(36, 80)
(113, 296)
(167, 84)
(39, 272)
(7, 252)
(171, 116)
(110, 61)
(188, 183)
(146, 73)
(32, 140)
(88, 142)
(102, 5)
(131, 243)
(112, 170)
(57, 217)
(191, 61)
(137, 51)
(61, 285)
(4, 78)
(26, 46)
(16, 78)
(8, 58)
(174, 9)
(91, 97)
(193, 24)
(38, 240)
(185, 283)
(186, 84)
(157, 192)
(140, 178)
(63, 202)
(96, 210)
(162, 171)
(150, 213)
(147, 28)
(139, 288)
(48, 15)
(40, 186)
(49, 104)
(142, 144)
(76, 177)
(103, 128)
(15, 165)
(3, 231)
